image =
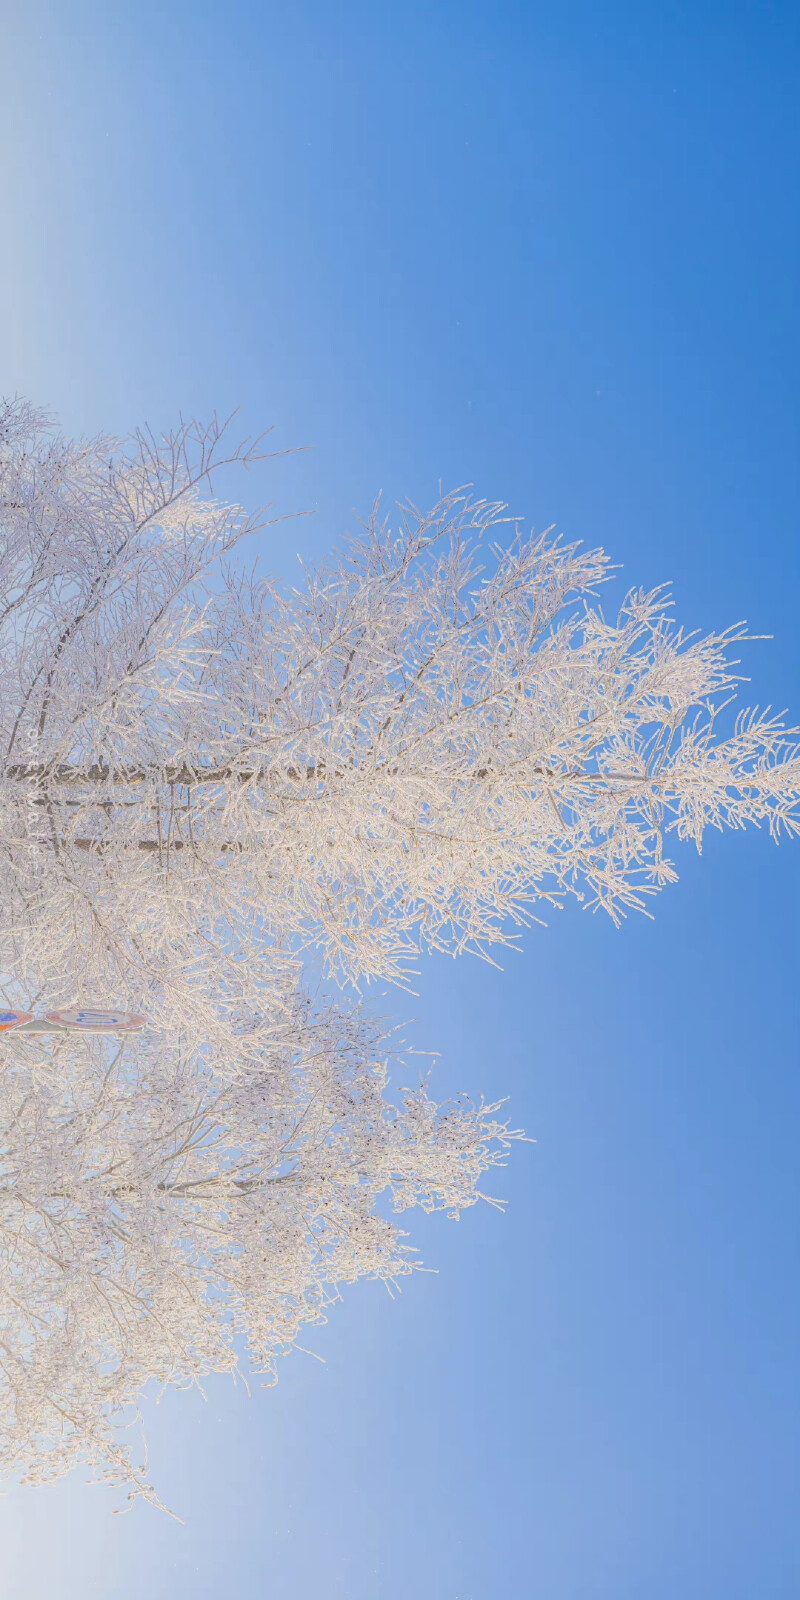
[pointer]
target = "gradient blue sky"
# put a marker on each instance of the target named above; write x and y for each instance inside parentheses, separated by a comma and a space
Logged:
(552, 250)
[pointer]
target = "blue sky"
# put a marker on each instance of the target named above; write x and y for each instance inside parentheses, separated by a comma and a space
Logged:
(551, 250)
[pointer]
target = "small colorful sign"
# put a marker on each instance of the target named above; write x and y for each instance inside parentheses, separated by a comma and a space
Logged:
(12, 1019)
(91, 1021)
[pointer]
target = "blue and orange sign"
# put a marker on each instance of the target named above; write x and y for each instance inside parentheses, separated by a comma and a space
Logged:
(12, 1019)
(97, 1021)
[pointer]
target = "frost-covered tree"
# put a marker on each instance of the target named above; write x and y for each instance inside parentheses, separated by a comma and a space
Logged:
(154, 1211)
(431, 735)
(206, 782)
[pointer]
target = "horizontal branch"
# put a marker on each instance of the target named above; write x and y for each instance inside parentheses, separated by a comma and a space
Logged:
(185, 775)
(150, 846)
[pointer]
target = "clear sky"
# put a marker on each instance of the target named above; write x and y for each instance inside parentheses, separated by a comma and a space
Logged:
(551, 249)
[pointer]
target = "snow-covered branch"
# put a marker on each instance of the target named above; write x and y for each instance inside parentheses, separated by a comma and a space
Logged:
(153, 1215)
(432, 734)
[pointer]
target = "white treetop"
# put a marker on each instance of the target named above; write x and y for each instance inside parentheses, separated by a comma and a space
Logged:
(204, 782)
